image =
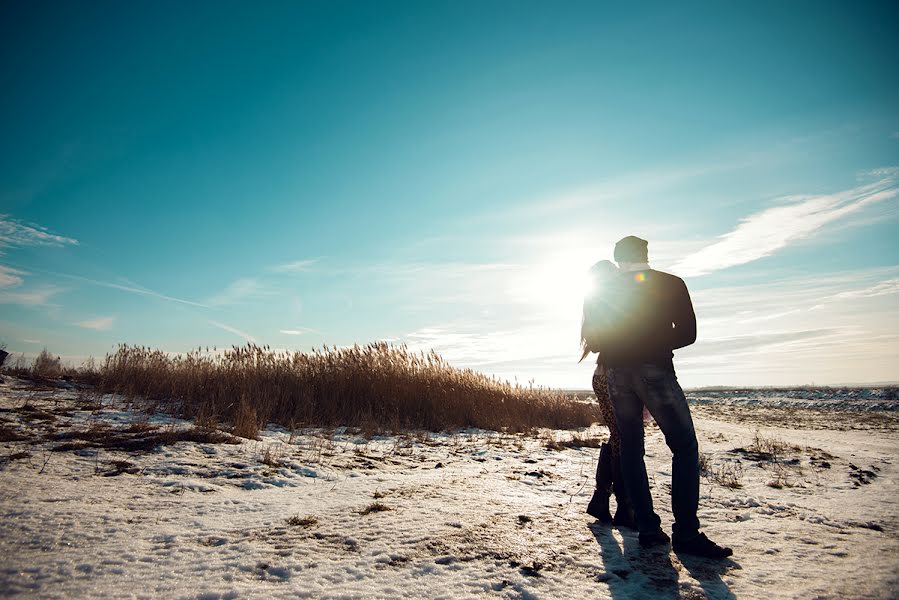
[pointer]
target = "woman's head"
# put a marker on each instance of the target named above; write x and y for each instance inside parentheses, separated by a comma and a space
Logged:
(600, 274)
(604, 269)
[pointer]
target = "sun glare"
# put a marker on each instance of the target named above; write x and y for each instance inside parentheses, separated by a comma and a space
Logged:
(556, 285)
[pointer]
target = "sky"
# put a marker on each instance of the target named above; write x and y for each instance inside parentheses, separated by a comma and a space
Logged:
(443, 174)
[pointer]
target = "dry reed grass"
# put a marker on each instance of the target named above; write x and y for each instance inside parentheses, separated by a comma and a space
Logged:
(46, 368)
(373, 387)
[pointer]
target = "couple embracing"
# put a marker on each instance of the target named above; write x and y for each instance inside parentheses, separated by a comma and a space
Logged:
(634, 317)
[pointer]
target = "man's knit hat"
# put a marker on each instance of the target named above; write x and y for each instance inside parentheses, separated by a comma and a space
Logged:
(631, 249)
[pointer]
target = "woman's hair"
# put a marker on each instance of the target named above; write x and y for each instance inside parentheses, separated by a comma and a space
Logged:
(599, 275)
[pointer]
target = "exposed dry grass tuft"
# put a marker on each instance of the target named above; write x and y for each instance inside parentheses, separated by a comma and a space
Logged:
(269, 457)
(374, 507)
(771, 447)
(376, 388)
(728, 474)
(705, 463)
(776, 457)
(298, 521)
(140, 427)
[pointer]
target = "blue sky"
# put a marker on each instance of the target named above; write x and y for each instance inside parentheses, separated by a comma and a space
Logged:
(441, 174)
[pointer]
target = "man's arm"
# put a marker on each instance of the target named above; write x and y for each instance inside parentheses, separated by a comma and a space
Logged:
(684, 318)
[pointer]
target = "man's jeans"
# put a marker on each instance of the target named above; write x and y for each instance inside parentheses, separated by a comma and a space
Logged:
(630, 389)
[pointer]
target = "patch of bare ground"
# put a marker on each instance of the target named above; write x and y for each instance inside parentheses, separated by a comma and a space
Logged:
(11, 433)
(117, 467)
(787, 465)
(514, 543)
(130, 440)
(14, 456)
(575, 441)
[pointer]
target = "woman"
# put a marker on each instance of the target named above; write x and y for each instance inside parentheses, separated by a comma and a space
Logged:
(608, 471)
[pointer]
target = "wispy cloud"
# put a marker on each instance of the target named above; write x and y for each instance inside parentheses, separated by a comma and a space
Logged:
(614, 189)
(480, 342)
(743, 330)
(884, 288)
(239, 291)
(787, 294)
(10, 277)
(796, 329)
(770, 230)
(298, 331)
(246, 336)
(14, 233)
(730, 346)
(98, 324)
(34, 297)
(296, 266)
(131, 288)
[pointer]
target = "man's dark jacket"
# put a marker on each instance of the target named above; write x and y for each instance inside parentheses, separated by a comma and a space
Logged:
(642, 316)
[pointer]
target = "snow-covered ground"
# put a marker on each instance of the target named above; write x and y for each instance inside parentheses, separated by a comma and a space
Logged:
(468, 514)
(871, 399)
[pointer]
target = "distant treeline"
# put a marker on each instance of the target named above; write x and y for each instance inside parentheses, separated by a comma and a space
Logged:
(723, 388)
(791, 388)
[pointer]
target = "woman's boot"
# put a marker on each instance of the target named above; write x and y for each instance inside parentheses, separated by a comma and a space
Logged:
(599, 503)
(624, 514)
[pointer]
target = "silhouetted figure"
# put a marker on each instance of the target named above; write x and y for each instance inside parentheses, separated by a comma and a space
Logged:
(608, 468)
(649, 314)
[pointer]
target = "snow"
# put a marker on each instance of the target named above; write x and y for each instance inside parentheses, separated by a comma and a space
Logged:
(468, 514)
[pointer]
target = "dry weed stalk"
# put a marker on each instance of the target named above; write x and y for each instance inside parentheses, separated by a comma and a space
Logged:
(728, 474)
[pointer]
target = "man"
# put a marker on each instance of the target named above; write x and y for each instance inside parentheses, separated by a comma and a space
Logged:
(650, 316)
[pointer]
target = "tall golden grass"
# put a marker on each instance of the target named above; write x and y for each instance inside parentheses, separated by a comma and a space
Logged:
(377, 387)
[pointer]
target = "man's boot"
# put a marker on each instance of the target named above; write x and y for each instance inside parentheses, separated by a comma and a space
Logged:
(599, 503)
(702, 546)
